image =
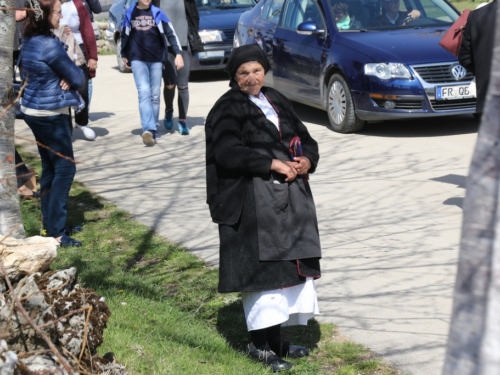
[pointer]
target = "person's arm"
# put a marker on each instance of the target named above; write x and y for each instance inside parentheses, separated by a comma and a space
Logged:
(230, 152)
(88, 36)
(172, 38)
(56, 57)
(465, 57)
(192, 10)
(124, 35)
(95, 6)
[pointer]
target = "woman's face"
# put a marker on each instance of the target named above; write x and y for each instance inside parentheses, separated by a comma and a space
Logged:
(55, 15)
(250, 77)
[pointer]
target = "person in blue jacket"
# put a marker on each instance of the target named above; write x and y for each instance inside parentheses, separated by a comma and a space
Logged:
(52, 80)
(144, 35)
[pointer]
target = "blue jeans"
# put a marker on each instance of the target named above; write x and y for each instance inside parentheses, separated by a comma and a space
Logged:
(57, 172)
(147, 77)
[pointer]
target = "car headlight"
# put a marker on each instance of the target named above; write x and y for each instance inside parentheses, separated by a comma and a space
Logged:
(208, 36)
(387, 70)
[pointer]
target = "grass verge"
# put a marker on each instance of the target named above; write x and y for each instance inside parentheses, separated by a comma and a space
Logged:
(466, 4)
(167, 317)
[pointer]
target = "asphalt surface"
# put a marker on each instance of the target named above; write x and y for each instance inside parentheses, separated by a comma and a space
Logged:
(388, 201)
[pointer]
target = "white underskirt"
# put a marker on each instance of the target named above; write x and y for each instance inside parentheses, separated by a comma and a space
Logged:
(290, 306)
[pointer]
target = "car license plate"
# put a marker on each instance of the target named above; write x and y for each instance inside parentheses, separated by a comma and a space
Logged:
(454, 92)
(207, 54)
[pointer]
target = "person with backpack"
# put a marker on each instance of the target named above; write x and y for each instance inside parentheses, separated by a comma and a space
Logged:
(144, 36)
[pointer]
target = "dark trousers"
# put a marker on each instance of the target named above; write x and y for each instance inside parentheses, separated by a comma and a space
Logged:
(57, 172)
(22, 172)
(82, 117)
(172, 76)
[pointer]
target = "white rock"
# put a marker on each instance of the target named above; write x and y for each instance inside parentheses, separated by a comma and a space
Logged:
(26, 256)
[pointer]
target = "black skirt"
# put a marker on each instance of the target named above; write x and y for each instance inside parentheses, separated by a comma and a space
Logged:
(240, 269)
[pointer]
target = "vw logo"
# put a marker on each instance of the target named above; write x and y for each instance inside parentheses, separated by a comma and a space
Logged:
(458, 72)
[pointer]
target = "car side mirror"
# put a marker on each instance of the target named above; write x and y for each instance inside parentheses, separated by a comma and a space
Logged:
(309, 28)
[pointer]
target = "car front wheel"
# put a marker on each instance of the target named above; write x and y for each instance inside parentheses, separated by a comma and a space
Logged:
(341, 108)
(121, 65)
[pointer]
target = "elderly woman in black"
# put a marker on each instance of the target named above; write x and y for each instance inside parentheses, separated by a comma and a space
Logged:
(258, 158)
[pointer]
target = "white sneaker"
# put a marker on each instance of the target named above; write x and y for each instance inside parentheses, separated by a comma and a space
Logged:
(147, 138)
(87, 131)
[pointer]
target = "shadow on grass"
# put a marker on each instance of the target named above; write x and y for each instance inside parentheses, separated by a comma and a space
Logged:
(231, 325)
(80, 203)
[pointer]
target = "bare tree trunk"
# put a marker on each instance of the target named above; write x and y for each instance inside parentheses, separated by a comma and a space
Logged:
(474, 339)
(10, 214)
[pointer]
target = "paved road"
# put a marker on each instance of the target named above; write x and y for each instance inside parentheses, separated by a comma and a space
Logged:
(388, 200)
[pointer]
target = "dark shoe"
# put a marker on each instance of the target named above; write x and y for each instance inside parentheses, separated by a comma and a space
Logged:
(68, 241)
(168, 122)
(267, 357)
(285, 349)
(72, 230)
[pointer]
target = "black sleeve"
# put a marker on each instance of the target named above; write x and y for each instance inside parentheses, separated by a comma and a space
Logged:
(192, 13)
(465, 52)
(95, 6)
(225, 121)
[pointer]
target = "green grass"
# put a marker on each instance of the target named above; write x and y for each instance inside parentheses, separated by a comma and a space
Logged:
(466, 4)
(167, 317)
(106, 51)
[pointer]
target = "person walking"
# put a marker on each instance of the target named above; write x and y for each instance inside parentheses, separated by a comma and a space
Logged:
(186, 21)
(144, 36)
(476, 49)
(52, 83)
(258, 158)
(93, 7)
(77, 19)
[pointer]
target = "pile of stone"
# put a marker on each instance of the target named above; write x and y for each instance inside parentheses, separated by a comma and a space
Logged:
(59, 326)
(101, 41)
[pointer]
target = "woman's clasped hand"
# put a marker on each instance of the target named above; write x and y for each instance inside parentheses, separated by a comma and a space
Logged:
(300, 166)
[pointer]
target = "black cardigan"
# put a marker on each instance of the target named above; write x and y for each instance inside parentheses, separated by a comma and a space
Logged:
(230, 162)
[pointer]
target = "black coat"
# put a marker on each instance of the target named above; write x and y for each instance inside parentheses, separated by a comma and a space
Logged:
(233, 127)
(230, 162)
(477, 48)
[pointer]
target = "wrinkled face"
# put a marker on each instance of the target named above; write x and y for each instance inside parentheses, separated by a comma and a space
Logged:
(340, 11)
(391, 7)
(55, 15)
(250, 77)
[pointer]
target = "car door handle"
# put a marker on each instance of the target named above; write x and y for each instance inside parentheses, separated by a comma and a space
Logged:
(277, 42)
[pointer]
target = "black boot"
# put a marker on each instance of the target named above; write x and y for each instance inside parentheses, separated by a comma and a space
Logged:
(266, 356)
(284, 349)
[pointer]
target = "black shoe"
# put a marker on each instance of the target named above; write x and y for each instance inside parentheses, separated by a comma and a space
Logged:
(68, 241)
(285, 349)
(269, 358)
(72, 230)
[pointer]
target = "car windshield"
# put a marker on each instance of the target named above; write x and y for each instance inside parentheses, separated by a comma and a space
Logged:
(372, 15)
(223, 4)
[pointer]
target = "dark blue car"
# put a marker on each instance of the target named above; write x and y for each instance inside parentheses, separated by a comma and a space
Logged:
(218, 20)
(361, 60)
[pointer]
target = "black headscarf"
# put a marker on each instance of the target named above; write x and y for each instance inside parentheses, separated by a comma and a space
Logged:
(243, 54)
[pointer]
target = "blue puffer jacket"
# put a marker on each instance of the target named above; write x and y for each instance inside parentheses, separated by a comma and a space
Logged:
(45, 63)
